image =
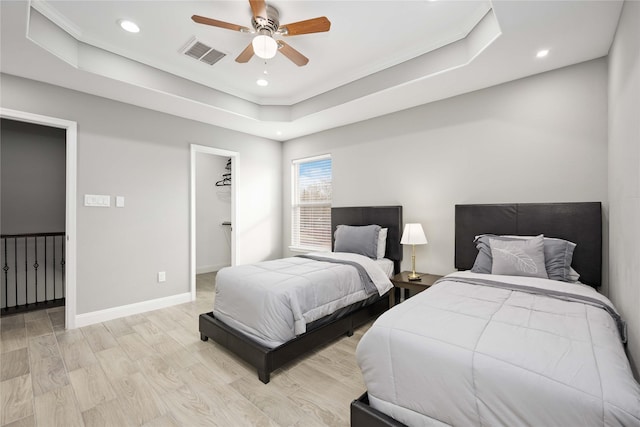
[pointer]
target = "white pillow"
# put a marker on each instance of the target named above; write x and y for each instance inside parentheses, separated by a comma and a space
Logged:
(574, 276)
(382, 242)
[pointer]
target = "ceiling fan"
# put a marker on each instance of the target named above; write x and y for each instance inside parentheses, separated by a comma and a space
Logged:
(266, 24)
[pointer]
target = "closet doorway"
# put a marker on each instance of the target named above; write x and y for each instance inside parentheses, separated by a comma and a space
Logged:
(213, 222)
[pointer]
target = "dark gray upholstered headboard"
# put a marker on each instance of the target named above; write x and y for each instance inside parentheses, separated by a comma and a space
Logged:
(385, 216)
(580, 223)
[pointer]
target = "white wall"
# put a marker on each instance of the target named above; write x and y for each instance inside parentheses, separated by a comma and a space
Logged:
(144, 155)
(538, 139)
(213, 207)
(624, 175)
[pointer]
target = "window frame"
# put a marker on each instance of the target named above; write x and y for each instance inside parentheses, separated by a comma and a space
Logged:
(295, 204)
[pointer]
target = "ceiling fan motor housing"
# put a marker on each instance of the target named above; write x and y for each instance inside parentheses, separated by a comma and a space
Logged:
(271, 24)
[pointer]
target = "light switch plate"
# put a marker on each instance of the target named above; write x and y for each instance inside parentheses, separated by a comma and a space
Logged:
(97, 200)
(119, 201)
(162, 276)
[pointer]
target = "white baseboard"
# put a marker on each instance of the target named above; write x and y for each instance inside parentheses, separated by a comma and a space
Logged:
(86, 319)
(210, 268)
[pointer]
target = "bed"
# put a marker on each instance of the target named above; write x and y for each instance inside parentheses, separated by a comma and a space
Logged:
(497, 349)
(268, 353)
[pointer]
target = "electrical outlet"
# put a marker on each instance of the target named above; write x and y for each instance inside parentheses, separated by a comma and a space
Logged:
(162, 276)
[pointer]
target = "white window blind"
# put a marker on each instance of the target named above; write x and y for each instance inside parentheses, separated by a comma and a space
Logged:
(311, 204)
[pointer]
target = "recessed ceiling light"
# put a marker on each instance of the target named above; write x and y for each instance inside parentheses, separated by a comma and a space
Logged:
(542, 53)
(262, 82)
(278, 132)
(129, 26)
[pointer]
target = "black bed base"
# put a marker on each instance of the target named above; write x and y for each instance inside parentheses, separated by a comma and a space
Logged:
(363, 415)
(267, 360)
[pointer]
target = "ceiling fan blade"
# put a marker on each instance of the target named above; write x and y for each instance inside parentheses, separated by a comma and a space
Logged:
(295, 56)
(315, 25)
(246, 54)
(259, 8)
(215, 23)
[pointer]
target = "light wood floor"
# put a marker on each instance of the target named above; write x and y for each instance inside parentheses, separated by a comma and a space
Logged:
(152, 369)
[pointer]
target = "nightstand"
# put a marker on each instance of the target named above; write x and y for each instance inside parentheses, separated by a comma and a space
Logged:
(401, 282)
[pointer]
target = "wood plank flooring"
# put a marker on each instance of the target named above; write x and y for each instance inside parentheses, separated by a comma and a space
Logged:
(152, 369)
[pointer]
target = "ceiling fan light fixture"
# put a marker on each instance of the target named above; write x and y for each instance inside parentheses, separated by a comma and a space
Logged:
(264, 47)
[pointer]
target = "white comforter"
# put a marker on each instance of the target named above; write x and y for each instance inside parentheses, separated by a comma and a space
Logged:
(469, 355)
(272, 301)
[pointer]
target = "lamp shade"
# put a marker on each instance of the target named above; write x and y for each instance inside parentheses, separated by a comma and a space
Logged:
(264, 47)
(413, 235)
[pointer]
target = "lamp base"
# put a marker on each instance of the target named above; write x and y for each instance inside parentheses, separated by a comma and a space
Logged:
(414, 277)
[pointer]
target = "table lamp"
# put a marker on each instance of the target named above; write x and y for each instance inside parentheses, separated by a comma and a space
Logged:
(413, 235)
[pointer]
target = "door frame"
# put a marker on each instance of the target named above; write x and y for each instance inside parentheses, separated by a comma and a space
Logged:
(71, 128)
(235, 169)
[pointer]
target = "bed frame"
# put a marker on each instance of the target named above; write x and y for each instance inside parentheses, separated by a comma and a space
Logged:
(267, 360)
(580, 223)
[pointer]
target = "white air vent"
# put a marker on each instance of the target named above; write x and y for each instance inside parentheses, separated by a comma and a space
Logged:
(202, 52)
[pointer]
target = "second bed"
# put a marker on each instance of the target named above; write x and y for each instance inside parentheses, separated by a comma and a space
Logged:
(271, 312)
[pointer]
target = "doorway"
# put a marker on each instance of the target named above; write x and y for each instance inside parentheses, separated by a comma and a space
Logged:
(69, 236)
(213, 212)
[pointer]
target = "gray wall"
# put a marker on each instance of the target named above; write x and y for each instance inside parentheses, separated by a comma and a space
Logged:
(144, 155)
(624, 174)
(33, 178)
(213, 207)
(538, 139)
(33, 201)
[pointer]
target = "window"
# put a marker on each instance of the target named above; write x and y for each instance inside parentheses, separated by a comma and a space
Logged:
(311, 203)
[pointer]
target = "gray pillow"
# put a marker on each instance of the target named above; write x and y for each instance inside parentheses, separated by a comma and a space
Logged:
(518, 257)
(558, 255)
(361, 240)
